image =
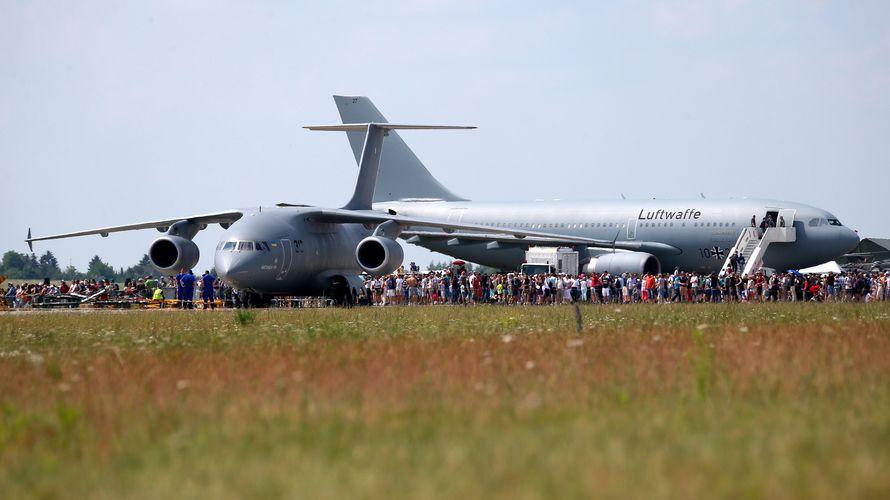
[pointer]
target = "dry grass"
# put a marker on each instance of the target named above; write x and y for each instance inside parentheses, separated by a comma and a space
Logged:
(788, 400)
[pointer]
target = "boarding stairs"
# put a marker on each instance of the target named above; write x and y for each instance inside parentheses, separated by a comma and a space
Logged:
(753, 246)
(748, 240)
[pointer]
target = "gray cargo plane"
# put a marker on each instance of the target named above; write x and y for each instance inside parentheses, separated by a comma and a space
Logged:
(306, 250)
(625, 235)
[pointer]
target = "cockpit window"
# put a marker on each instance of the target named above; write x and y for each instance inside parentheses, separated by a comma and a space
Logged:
(834, 222)
(262, 246)
(229, 245)
(245, 246)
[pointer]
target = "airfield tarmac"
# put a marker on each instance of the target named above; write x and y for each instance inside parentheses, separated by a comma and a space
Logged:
(679, 401)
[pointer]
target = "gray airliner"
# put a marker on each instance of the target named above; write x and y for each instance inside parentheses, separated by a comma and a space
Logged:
(648, 236)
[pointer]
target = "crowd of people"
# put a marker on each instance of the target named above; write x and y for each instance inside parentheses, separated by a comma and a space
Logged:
(182, 288)
(458, 286)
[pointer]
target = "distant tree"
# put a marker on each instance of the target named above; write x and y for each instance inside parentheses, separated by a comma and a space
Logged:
(438, 266)
(19, 265)
(13, 263)
(48, 266)
(98, 269)
(71, 273)
(33, 265)
(140, 270)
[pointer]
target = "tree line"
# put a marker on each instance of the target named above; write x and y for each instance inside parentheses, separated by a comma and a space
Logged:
(24, 266)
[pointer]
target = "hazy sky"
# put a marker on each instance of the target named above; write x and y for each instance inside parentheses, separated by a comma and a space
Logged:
(120, 112)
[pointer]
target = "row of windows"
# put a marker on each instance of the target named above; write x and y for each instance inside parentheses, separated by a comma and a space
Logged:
(824, 222)
(524, 225)
(552, 225)
(243, 246)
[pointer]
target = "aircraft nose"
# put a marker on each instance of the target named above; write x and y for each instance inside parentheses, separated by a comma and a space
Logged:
(848, 240)
(232, 267)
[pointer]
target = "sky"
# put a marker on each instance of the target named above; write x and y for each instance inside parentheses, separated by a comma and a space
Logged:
(120, 112)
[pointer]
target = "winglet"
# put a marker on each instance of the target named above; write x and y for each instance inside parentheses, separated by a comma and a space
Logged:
(30, 245)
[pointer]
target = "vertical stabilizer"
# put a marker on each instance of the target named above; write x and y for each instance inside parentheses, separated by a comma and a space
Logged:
(401, 175)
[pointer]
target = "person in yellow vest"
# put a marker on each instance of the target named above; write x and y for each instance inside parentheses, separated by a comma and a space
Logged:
(159, 296)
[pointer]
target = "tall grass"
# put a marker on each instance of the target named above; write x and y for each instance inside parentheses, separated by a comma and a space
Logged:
(787, 400)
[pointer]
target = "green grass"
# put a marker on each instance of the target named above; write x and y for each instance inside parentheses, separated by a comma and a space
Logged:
(789, 400)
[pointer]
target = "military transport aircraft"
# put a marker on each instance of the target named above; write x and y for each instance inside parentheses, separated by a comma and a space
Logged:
(630, 236)
(306, 250)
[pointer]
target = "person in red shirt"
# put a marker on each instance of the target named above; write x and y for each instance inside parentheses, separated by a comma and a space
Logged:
(650, 287)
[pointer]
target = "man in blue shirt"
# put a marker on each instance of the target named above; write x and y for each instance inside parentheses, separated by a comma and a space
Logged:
(179, 295)
(207, 294)
(188, 289)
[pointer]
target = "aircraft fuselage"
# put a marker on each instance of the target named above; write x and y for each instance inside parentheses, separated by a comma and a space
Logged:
(704, 230)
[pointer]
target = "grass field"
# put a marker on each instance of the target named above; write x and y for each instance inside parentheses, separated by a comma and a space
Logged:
(788, 400)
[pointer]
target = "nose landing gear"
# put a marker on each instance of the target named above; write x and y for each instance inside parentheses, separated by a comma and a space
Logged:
(341, 291)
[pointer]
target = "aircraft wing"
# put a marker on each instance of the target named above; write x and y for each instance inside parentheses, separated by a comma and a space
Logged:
(482, 232)
(222, 218)
(415, 236)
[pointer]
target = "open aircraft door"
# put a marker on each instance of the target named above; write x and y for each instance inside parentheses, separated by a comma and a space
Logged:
(786, 215)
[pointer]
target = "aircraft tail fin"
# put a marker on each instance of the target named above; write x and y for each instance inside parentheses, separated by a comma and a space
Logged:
(402, 175)
(371, 155)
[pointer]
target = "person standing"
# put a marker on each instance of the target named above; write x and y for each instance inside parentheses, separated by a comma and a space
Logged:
(10, 296)
(178, 282)
(150, 285)
(188, 289)
(207, 281)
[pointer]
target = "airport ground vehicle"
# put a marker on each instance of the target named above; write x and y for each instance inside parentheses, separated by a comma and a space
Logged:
(540, 260)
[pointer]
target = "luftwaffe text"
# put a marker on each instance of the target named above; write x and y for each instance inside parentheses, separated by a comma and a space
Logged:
(661, 214)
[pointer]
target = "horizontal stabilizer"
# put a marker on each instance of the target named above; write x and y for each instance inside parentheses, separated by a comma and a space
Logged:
(361, 127)
(369, 164)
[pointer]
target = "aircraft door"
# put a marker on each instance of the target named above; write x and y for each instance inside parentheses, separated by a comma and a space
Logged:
(786, 215)
(631, 229)
(287, 258)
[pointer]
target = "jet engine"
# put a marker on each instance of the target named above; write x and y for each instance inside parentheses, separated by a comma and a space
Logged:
(378, 255)
(624, 262)
(172, 253)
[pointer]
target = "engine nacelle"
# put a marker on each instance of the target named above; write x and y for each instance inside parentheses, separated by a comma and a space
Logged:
(172, 253)
(624, 262)
(378, 255)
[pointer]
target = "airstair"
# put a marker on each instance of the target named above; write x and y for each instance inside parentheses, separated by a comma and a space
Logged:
(745, 245)
(753, 246)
